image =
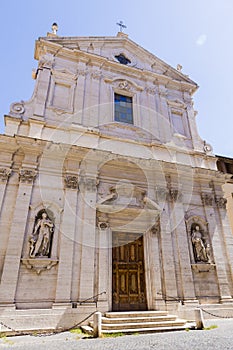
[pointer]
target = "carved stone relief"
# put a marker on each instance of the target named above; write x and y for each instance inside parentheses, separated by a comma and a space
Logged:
(175, 195)
(40, 241)
(89, 183)
(221, 202)
(207, 199)
(4, 174)
(124, 85)
(17, 108)
(46, 61)
(200, 242)
(151, 90)
(26, 175)
(71, 181)
(155, 229)
(39, 265)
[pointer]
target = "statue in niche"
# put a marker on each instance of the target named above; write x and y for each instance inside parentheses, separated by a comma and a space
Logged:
(201, 251)
(40, 241)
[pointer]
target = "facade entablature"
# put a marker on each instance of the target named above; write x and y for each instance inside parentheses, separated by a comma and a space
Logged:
(75, 55)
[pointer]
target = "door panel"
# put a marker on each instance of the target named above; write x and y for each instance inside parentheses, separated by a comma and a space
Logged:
(128, 272)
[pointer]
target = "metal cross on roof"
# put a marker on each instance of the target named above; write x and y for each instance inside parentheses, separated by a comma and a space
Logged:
(121, 25)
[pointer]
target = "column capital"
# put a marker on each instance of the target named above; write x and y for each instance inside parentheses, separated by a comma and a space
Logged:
(71, 181)
(221, 202)
(207, 199)
(27, 175)
(5, 174)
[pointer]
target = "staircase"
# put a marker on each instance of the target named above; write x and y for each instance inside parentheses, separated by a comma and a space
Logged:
(140, 322)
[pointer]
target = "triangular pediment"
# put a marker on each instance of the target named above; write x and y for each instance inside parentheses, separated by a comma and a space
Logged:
(112, 48)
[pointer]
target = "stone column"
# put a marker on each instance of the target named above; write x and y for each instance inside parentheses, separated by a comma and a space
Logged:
(225, 262)
(153, 268)
(5, 167)
(165, 125)
(184, 274)
(87, 228)
(14, 249)
(80, 91)
(151, 110)
(104, 263)
(43, 79)
(67, 241)
(169, 286)
(4, 175)
(218, 245)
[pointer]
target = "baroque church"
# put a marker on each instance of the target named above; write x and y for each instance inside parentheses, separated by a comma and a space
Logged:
(109, 198)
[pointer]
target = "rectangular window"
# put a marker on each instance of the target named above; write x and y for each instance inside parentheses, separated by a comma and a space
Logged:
(178, 124)
(123, 109)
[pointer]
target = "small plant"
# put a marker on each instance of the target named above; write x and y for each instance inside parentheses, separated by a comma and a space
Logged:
(8, 341)
(76, 331)
(213, 326)
(112, 335)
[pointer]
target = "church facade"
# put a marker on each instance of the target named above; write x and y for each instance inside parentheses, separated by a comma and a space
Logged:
(109, 197)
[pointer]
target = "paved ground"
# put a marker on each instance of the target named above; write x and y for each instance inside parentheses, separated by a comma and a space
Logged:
(218, 338)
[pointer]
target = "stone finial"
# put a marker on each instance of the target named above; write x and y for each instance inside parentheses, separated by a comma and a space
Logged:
(54, 28)
(179, 67)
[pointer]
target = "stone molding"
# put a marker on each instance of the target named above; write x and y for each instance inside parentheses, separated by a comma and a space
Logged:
(103, 225)
(46, 61)
(71, 182)
(5, 174)
(89, 183)
(124, 84)
(27, 175)
(203, 267)
(161, 194)
(151, 90)
(39, 265)
(96, 75)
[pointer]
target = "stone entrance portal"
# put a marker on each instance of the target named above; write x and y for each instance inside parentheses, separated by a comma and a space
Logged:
(128, 279)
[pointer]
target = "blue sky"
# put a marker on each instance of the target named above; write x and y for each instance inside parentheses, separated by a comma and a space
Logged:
(197, 34)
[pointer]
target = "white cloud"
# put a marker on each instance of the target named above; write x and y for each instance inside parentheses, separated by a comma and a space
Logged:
(201, 39)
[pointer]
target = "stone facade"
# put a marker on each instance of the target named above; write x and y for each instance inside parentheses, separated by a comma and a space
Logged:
(225, 165)
(72, 178)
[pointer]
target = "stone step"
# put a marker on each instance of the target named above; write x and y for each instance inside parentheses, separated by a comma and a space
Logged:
(111, 320)
(126, 314)
(144, 325)
(144, 330)
(140, 321)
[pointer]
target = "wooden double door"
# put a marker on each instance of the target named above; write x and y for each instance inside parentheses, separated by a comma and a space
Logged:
(128, 280)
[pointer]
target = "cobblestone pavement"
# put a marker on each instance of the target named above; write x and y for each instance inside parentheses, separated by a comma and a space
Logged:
(216, 338)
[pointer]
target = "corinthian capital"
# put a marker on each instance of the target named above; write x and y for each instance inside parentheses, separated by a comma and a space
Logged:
(4, 174)
(27, 176)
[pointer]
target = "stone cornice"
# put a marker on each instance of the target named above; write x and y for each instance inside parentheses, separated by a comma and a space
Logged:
(58, 50)
(120, 38)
